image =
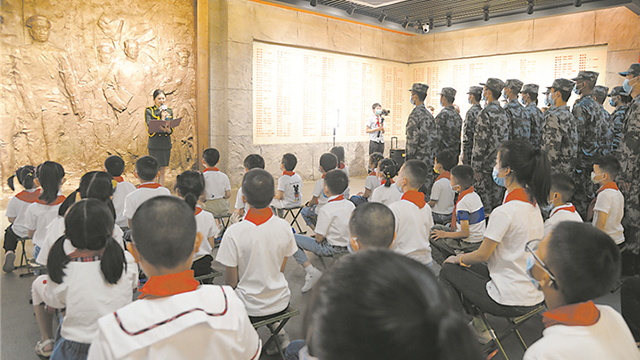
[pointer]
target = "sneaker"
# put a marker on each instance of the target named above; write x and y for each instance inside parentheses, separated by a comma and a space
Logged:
(9, 259)
(311, 279)
(480, 330)
(282, 339)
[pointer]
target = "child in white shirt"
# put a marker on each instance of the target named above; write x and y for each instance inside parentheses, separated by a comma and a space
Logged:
(252, 161)
(608, 206)
(562, 188)
(289, 194)
(441, 199)
(217, 185)
(146, 171)
(371, 182)
(338, 151)
(388, 192)
(309, 213)
(114, 165)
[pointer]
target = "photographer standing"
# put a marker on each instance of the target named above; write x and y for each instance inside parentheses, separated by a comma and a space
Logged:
(375, 129)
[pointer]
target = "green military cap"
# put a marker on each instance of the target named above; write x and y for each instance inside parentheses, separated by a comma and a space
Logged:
(562, 84)
(530, 89)
(600, 91)
(476, 90)
(448, 92)
(494, 84)
(634, 70)
(591, 76)
(618, 90)
(420, 88)
(514, 84)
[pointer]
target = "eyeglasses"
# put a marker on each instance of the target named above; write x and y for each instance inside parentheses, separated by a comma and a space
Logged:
(532, 247)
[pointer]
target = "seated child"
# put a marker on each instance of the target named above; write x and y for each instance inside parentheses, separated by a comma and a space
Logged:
(608, 206)
(252, 161)
(441, 199)
(338, 151)
(146, 171)
(413, 218)
(309, 213)
(371, 226)
(388, 192)
(289, 194)
(562, 188)
(332, 229)
(468, 222)
(175, 317)
(114, 165)
(371, 182)
(255, 253)
(15, 210)
(217, 187)
(573, 265)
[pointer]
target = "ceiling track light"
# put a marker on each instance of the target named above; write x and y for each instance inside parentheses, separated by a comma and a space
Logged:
(486, 16)
(351, 10)
(382, 17)
(405, 22)
(577, 3)
(431, 24)
(313, 3)
(449, 21)
(530, 7)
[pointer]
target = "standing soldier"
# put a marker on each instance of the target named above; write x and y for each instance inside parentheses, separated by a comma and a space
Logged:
(533, 113)
(519, 124)
(492, 128)
(469, 126)
(629, 156)
(620, 101)
(560, 133)
(589, 117)
(448, 123)
(606, 128)
(422, 141)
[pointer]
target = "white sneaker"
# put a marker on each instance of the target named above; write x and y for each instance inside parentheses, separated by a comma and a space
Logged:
(283, 339)
(8, 264)
(311, 279)
(480, 331)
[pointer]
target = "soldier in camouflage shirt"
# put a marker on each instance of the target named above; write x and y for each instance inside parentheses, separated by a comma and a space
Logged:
(560, 134)
(533, 113)
(422, 139)
(492, 128)
(620, 101)
(519, 124)
(469, 125)
(448, 123)
(606, 131)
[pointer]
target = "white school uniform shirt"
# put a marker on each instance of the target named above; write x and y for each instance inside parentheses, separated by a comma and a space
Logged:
(413, 225)
(609, 338)
(345, 169)
(291, 184)
(239, 203)
(206, 225)
(87, 296)
(317, 192)
(374, 122)
(216, 184)
(512, 225)
(470, 208)
(258, 252)
(371, 182)
(214, 324)
(444, 195)
(386, 195)
(16, 208)
(566, 212)
(38, 216)
(333, 220)
(123, 189)
(140, 195)
(611, 202)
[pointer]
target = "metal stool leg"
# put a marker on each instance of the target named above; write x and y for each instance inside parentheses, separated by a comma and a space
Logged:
(24, 260)
(493, 335)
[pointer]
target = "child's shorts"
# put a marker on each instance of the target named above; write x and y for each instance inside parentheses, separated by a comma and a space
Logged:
(218, 207)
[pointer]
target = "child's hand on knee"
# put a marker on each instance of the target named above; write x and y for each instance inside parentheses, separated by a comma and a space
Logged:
(438, 234)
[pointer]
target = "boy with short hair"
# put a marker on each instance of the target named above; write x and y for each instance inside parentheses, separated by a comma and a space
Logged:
(338, 151)
(441, 199)
(608, 206)
(175, 318)
(217, 187)
(413, 217)
(372, 225)
(574, 264)
(289, 194)
(332, 228)
(467, 223)
(114, 166)
(562, 188)
(309, 213)
(252, 161)
(255, 253)
(146, 171)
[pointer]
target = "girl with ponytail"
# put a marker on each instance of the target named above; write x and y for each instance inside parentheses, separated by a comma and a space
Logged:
(16, 208)
(502, 286)
(190, 186)
(89, 275)
(389, 192)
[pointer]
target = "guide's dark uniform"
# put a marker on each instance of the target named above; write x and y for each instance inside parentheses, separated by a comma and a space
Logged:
(159, 143)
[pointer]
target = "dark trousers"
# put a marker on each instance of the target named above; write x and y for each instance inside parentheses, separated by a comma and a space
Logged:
(468, 286)
(376, 147)
(10, 239)
(630, 302)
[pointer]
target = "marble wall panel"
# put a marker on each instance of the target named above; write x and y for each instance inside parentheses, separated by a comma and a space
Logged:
(370, 41)
(515, 37)
(619, 28)
(395, 46)
(618, 61)
(343, 36)
(447, 45)
(274, 24)
(480, 41)
(240, 63)
(421, 48)
(313, 31)
(241, 20)
(564, 31)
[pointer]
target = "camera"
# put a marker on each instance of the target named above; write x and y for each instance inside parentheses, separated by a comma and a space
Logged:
(385, 112)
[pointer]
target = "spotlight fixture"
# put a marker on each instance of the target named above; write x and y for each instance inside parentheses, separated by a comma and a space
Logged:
(351, 10)
(530, 7)
(405, 22)
(423, 27)
(431, 22)
(577, 3)
(486, 16)
(382, 17)
(313, 3)
(449, 21)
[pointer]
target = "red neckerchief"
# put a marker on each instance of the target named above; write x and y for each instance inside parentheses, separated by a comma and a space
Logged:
(259, 216)
(290, 173)
(150, 185)
(372, 172)
(324, 175)
(29, 197)
(609, 185)
(211, 169)
(454, 216)
(170, 284)
(415, 197)
(198, 210)
(57, 201)
(337, 198)
(569, 208)
(377, 121)
(580, 314)
(341, 166)
(118, 179)
(444, 175)
(85, 253)
(520, 194)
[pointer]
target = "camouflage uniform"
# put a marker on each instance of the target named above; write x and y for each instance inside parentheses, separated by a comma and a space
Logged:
(469, 126)
(492, 128)
(606, 128)
(560, 136)
(617, 118)
(519, 124)
(448, 125)
(537, 124)
(422, 139)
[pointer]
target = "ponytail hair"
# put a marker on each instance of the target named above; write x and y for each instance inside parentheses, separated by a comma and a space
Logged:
(88, 226)
(94, 185)
(530, 167)
(190, 185)
(50, 175)
(25, 175)
(389, 168)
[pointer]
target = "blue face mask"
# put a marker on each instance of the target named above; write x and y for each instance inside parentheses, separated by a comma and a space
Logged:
(484, 95)
(523, 102)
(530, 264)
(549, 100)
(547, 208)
(470, 103)
(612, 103)
(575, 90)
(504, 96)
(498, 180)
(626, 86)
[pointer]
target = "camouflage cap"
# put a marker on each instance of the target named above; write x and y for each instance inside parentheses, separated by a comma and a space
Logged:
(476, 90)
(514, 84)
(562, 84)
(600, 91)
(618, 90)
(634, 70)
(420, 88)
(591, 76)
(448, 92)
(530, 89)
(494, 84)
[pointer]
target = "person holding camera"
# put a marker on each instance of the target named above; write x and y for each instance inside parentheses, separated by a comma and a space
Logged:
(160, 142)
(375, 129)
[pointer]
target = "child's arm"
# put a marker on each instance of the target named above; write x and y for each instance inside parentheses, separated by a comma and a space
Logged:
(279, 195)
(231, 276)
(601, 217)
(463, 233)
(313, 201)
(481, 255)
(227, 194)
(367, 193)
(284, 264)
(319, 237)
(212, 241)
(11, 219)
(432, 203)
(31, 232)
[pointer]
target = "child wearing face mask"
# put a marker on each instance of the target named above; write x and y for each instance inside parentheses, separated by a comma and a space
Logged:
(562, 189)
(607, 209)
(442, 196)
